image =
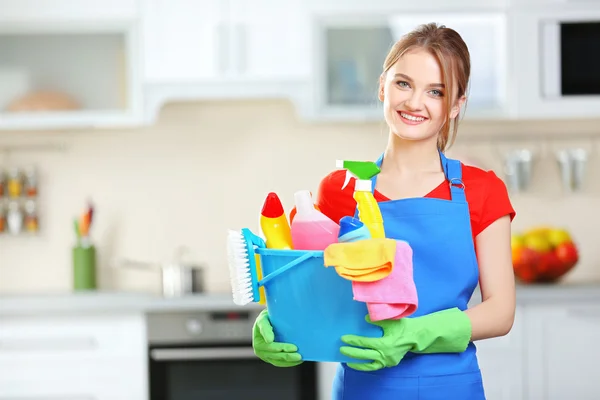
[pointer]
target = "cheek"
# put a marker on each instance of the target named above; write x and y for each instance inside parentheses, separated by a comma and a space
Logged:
(395, 97)
(436, 107)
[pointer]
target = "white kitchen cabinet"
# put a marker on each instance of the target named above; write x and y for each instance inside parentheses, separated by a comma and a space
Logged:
(222, 49)
(68, 65)
(326, 373)
(74, 357)
(350, 52)
(501, 363)
(269, 40)
(184, 41)
(562, 353)
(17, 12)
(385, 6)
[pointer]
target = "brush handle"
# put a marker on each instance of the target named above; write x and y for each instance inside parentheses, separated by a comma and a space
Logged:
(251, 241)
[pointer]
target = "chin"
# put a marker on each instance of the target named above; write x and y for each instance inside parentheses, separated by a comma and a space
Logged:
(412, 135)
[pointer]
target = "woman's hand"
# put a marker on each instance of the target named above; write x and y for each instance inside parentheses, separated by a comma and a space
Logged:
(265, 347)
(446, 331)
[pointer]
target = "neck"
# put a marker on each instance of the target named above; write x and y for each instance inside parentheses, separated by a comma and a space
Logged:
(411, 156)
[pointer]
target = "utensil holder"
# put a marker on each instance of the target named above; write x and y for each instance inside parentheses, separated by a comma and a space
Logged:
(84, 267)
(518, 168)
(572, 165)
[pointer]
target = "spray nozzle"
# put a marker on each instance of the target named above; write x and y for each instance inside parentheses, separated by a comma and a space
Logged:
(361, 170)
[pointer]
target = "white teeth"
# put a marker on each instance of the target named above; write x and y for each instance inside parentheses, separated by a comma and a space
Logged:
(412, 118)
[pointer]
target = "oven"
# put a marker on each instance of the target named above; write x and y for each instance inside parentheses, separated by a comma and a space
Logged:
(208, 355)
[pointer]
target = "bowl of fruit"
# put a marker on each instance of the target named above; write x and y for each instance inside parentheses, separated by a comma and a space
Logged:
(543, 255)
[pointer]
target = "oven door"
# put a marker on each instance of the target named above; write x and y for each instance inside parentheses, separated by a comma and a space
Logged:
(224, 373)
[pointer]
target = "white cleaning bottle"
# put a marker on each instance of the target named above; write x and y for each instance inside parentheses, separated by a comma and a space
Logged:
(311, 229)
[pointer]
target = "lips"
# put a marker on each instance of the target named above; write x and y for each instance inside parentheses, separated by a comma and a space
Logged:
(411, 118)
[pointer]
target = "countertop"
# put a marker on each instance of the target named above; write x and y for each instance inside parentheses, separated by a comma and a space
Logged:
(119, 302)
(113, 302)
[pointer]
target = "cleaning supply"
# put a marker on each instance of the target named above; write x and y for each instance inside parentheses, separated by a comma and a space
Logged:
(274, 224)
(243, 270)
(293, 211)
(311, 229)
(394, 296)
(445, 331)
(368, 209)
(364, 260)
(352, 230)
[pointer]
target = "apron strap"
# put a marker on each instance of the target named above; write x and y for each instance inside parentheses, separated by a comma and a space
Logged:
(453, 172)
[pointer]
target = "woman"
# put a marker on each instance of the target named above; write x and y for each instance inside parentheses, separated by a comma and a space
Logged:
(457, 242)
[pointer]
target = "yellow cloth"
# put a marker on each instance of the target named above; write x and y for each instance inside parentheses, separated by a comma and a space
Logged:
(366, 260)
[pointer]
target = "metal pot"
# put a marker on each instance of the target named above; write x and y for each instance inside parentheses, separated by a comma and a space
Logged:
(178, 278)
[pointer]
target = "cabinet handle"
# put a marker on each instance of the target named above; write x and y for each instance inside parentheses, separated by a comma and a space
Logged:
(241, 48)
(222, 47)
(47, 344)
(584, 312)
(213, 353)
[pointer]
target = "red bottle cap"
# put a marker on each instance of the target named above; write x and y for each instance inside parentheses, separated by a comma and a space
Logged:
(272, 207)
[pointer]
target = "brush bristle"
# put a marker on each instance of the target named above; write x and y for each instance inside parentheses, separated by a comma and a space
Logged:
(239, 268)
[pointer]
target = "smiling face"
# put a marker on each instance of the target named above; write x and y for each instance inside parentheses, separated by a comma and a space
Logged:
(414, 97)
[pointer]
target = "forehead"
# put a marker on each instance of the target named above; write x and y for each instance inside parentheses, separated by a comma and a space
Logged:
(420, 65)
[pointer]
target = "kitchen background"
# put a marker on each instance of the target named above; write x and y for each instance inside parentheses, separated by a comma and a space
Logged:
(175, 118)
(206, 167)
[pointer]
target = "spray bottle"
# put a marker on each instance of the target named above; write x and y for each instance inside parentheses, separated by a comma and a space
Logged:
(368, 209)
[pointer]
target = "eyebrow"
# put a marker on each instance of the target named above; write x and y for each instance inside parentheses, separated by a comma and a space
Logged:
(408, 78)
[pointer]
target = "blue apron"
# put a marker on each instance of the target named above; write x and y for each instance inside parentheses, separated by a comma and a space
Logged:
(446, 273)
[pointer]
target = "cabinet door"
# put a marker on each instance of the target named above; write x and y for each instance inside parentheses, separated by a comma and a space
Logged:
(269, 39)
(485, 36)
(352, 51)
(562, 352)
(501, 363)
(66, 11)
(73, 357)
(184, 40)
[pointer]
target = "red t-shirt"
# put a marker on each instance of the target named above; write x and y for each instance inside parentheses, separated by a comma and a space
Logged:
(485, 192)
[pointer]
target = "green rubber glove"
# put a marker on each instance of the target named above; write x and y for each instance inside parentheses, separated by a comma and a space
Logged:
(446, 331)
(265, 347)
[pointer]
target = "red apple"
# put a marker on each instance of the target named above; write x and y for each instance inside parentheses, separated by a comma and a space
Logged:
(567, 254)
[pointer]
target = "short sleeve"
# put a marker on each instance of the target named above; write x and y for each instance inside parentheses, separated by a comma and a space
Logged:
(496, 202)
(332, 200)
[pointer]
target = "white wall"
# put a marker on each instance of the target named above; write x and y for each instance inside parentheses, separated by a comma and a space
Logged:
(206, 167)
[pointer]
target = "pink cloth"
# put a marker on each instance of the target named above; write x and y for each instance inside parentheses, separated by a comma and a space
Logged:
(394, 296)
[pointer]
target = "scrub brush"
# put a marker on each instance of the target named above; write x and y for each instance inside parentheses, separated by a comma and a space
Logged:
(243, 270)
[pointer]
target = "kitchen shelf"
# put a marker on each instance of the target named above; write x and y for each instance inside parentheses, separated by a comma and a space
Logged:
(69, 78)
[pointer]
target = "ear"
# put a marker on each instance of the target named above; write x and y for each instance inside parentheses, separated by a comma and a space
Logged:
(457, 106)
(381, 86)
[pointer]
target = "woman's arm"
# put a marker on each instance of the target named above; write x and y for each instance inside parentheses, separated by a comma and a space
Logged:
(495, 315)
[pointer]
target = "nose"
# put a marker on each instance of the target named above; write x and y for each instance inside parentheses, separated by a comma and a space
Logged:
(415, 101)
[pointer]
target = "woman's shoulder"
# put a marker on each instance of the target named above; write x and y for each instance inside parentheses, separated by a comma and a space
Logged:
(487, 196)
(482, 179)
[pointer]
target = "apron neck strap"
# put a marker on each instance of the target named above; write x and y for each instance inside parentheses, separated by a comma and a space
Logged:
(452, 171)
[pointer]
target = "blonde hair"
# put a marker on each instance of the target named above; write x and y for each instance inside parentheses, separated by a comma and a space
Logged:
(447, 46)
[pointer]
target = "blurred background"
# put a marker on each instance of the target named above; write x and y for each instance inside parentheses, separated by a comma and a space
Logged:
(134, 133)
